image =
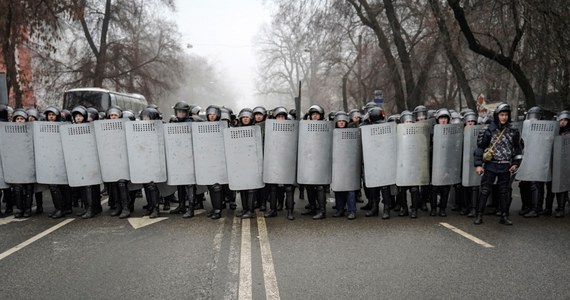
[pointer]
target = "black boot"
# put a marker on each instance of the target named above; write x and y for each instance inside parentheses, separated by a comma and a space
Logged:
(18, 196)
(217, 201)
(272, 212)
(289, 202)
(415, 203)
(478, 219)
(561, 201)
(321, 198)
(190, 193)
(505, 220)
(250, 212)
(28, 199)
(57, 202)
(124, 199)
(182, 197)
(154, 201)
(39, 203)
(484, 193)
(375, 208)
(87, 195)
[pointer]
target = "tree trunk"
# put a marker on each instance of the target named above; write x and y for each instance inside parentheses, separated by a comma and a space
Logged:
(344, 93)
(9, 52)
(101, 59)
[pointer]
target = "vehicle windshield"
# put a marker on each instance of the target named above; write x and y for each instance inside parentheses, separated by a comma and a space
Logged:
(95, 99)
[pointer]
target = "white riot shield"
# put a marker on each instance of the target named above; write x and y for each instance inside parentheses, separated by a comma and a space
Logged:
(469, 178)
(166, 190)
(50, 163)
(145, 146)
(379, 144)
(280, 152)
(561, 164)
(3, 184)
(346, 159)
(314, 161)
(447, 152)
(537, 159)
(518, 125)
(209, 153)
(179, 155)
(413, 154)
(112, 149)
(17, 150)
(244, 157)
(80, 154)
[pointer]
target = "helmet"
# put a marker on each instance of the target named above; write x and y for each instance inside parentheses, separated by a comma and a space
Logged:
(470, 116)
(19, 112)
(80, 109)
(368, 106)
(293, 113)
(3, 113)
(214, 110)
(246, 112)
(10, 110)
(225, 114)
(93, 113)
(534, 113)
(128, 114)
(66, 115)
(465, 111)
(54, 110)
(456, 118)
(354, 112)
(442, 112)
(181, 105)
(316, 109)
(151, 113)
(563, 115)
(420, 111)
(406, 115)
(196, 110)
(259, 110)
(172, 119)
(114, 110)
(341, 116)
(375, 114)
(332, 115)
(503, 107)
(102, 115)
(394, 118)
(157, 110)
(280, 110)
(32, 112)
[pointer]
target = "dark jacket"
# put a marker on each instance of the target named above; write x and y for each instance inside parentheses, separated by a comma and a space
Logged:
(507, 151)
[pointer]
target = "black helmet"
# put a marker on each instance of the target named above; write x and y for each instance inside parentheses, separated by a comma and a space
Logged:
(293, 113)
(3, 113)
(114, 110)
(341, 116)
(563, 115)
(181, 105)
(55, 110)
(375, 114)
(464, 111)
(128, 114)
(368, 106)
(316, 109)
(394, 118)
(419, 111)
(332, 115)
(280, 110)
(407, 116)
(151, 113)
(66, 115)
(19, 112)
(534, 113)
(172, 119)
(442, 113)
(470, 116)
(34, 113)
(81, 110)
(93, 113)
(503, 107)
(247, 112)
(214, 110)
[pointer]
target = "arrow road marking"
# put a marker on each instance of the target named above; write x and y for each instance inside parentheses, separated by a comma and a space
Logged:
(144, 221)
(11, 219)
(467, 235)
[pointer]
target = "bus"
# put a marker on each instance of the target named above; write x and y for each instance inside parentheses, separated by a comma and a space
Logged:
(102, 99)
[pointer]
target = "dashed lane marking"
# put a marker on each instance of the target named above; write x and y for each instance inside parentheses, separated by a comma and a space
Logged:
(233, 263)
(467, 235)
(271, 288)
(245, 285)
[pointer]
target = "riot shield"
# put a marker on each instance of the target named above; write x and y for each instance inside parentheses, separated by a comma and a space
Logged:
(561, 164)
(50, 163)
(80, 154)
(537, 159)
(447, 152)
(17, 150)
(518, 125)
(413, 154)
(179, 155)
(314, 160)
(112, 149)
(244, 157)
(346, 159)
(3, 184)
(280, 153)
(209, 153)
(469, 178)
(145, 146)
(379, 144)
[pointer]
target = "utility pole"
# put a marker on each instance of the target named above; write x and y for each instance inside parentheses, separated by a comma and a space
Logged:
(298, 103)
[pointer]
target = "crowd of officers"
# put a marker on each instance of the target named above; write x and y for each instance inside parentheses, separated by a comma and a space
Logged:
(496, 182)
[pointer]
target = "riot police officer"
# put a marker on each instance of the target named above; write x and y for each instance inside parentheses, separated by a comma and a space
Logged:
(22, 193)
(213, 114)
(407, 117)
(344, 199)
(119, 190)
(150, 188)
(53, 114)
(442, 116)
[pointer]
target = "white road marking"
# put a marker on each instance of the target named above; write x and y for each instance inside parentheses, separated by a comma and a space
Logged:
(34, 238)
(143, 221)
(11, 219)
(245, 290)
(271, 288)
(467, 235)
(233, 263)
(213, 266)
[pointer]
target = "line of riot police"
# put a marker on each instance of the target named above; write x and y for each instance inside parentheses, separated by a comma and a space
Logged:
(264, 155)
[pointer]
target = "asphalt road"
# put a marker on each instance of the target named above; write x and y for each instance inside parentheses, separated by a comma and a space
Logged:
(230, 258)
